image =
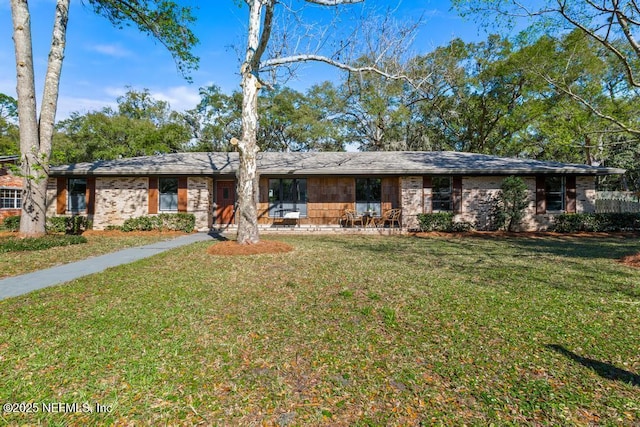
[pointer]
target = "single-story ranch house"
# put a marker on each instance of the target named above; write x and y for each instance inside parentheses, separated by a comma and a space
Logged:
(320, 186)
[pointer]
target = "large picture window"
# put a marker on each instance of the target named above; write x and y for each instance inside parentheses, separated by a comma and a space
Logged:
(554, 189)
(287, 195)
(369, 195)
(441, 191)
(168, 189)
(10, 198)
(77, 195)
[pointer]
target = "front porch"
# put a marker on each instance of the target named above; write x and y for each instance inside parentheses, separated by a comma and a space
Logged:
(315, 229)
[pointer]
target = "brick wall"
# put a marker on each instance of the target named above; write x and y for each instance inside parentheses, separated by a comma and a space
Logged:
(411, 198)
(9, 181)
(200, 201)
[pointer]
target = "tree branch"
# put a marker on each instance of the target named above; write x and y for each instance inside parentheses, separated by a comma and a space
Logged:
(276, 62)
(333, 2)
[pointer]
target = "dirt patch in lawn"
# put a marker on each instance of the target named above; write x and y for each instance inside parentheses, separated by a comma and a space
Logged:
(631, 260)
(231, 247)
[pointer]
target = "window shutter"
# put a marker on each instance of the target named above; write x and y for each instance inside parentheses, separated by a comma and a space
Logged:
(427, 184)
(91, 195)
(457, 194)
(541, 198)
(570, 183)
(61, 196)
(182, 194)
(153, 195)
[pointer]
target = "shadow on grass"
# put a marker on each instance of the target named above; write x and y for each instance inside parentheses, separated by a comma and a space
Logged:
(605, 370)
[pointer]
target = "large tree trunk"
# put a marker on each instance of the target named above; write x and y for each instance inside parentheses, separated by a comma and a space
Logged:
(35, 140)
(247, 173)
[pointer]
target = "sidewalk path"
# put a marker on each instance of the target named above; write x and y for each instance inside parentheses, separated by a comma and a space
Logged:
(19, 285)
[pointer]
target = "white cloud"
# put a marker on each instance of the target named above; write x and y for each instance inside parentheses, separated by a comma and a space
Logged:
(111, 50)
(70, 104)
(180, 98)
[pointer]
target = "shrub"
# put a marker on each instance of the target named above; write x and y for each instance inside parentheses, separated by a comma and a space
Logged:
(173, 222)
(572, 223)
(76, 224)
(442, 221)
(512, 202)
(39, 243)
(11, 223)
(179, 222)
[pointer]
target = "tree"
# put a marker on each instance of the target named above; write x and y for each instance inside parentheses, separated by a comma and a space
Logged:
(215, 120)
(259, 33)
(512, 203)
(163, 19)
(613, 24)
(9, 143)
(293, 121)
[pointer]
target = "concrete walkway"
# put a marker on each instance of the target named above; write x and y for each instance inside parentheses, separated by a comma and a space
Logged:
(19, 285)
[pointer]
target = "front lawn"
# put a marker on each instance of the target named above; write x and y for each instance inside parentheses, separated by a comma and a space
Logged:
(16, 261)
(344, 330)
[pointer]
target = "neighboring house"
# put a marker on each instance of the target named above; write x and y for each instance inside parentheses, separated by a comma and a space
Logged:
(319, 185)
(10, 188)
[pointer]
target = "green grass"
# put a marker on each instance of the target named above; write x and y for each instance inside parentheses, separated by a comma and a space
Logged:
(15, 244)
(345, 330)
(17, 262)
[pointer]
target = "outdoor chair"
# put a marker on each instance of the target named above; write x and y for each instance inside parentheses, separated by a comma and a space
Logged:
(391, 217)
(351, 218)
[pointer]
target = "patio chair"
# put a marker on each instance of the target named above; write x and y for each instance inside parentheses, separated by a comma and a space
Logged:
(391, 217)
(351, 218)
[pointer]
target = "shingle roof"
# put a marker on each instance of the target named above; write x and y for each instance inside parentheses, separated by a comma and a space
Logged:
(330, 163)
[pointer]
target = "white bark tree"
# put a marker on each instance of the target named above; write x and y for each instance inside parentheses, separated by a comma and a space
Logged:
(164, 20)
(259, 33)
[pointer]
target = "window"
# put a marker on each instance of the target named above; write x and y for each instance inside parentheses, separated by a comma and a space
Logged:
(441, 189)
(168, 189)
(554, 192)
(77, 195)
(369, 195)
(287, 195)
(10, 198)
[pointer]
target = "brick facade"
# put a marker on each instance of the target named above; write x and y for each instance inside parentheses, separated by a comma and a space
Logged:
(12, 182)
(119, 198)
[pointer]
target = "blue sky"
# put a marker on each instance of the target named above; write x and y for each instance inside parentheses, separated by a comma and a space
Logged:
(102, 61)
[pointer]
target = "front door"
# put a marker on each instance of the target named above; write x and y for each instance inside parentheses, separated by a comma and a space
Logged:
(225, 200)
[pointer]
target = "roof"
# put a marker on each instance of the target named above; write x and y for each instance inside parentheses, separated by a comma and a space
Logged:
(330, 163)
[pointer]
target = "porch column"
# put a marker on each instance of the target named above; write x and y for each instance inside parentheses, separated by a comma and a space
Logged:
(411, 200)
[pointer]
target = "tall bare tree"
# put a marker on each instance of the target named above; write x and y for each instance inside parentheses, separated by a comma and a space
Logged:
(165, 20)
(260, 30)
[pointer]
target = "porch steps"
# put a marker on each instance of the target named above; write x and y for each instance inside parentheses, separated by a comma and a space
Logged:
(317, 229)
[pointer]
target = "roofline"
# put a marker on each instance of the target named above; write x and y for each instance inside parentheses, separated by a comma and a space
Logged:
(382, 172)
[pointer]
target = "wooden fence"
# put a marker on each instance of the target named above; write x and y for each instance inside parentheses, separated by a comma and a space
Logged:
(617, 202)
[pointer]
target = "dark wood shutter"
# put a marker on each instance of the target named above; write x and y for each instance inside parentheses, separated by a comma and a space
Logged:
(182, 194)
(541, 198)
(457, 194)
(90, 195)
(427, 184)
(61, 196)
(153, 195)
(570, 202)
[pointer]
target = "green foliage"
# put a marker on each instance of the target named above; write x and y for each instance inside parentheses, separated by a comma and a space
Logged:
(39, 243)
(9, 134)
(11, 223)
(164, 20)
(142, 126)
(512, 202)
(173, 222)
(442, 221)
(76, 224)
(596, 222)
